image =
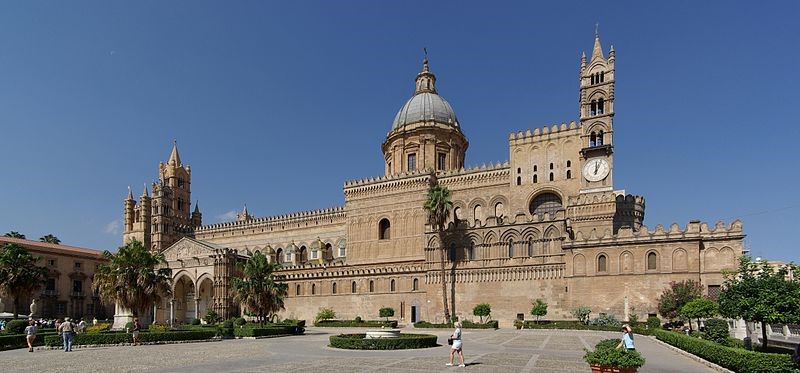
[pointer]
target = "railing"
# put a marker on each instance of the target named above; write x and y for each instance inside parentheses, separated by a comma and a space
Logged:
(77, 294)
(50, 293)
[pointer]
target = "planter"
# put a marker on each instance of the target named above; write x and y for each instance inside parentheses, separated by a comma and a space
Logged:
(602, 369)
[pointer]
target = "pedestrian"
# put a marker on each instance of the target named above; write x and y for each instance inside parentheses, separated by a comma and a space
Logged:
(135, 331)
(627, 338)
(457, 346)
(81, 327)
(30, 334)
(67, 332)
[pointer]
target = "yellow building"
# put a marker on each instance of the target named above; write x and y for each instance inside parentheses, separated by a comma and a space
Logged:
(549, 223)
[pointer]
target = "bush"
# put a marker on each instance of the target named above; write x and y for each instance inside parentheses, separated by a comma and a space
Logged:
(466, 324)
(731, 358)
(10, 342)
(239, 321)
(158, 328)
(358, 319)
(353, 323)
(195, 321)
(386, 312)
(539, 308)
(519, 324)
(16, 326)
(653, 322)
(607, 354)
(273, 330)
(427, 325)
(119, 337)
(129, 325)
(717, 331)
(211, 317)
(405, 341)
(99, 327)
(605, 320)
(482, 310)
(325, 314)
(582, 314)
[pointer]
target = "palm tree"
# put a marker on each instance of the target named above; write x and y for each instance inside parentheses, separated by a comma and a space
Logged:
(438, 205)
(130, 278)
(15, 234)
(259, 288)
(19, 274)
(50, 239)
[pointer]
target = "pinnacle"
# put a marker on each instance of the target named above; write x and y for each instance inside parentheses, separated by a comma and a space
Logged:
(174, 158)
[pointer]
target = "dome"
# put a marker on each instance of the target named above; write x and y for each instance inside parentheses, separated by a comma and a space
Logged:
(425, 106)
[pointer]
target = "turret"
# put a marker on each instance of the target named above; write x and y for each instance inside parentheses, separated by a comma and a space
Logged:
(197, 217)
(129, 205)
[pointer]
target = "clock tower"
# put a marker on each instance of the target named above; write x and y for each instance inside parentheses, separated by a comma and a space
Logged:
(597, 119)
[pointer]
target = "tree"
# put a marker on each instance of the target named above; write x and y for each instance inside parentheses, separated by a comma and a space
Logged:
(676, 296)
(325, 314)
(482, 310)
(438, 205)
(134, 278)
(539, 309)
(259, 288)
(582, 314)
(759, 293)
(700, 308)
(50, 239)
(19, 274)
(15, 234)
(386, 312)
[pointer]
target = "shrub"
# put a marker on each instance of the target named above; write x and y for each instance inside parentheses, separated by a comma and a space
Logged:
(325, 314)
(353, 323)
(518, 324)
(717, 331)
(386, 312)
(404, 341)
(482, 310)
(466, 324)
(16, 326)
(633, 320)
(195, 321)
(582, 314)
(539, 308)
(9, 342)
(120, 337)
(272, 330)
(607, 355)
(99, 327)
(427, 325)
(211, 317)
(605, 320)
(653, 322)
(158, 328)
(129, 325)
(239, 321)
(358, 319)
(731, 358)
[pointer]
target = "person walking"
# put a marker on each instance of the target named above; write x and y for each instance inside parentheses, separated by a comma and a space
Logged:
(457, 346)
(135, 331)
(627, 338)
(67, 332)
(30, 334)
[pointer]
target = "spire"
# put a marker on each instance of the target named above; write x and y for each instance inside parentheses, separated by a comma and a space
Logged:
(597, 51)
(196, 207)
(426, 81)
(612, 54)
(174, 158)
(244, 216)
(583, 60)
(130, 194)
(144, 192)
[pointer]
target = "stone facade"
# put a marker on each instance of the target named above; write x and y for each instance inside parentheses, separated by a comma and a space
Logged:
(546, 224)
(68, 289)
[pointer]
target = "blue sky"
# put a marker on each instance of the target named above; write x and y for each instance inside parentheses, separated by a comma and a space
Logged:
(276, 104)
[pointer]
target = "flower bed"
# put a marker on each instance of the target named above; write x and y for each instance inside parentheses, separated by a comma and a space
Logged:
(356, 324)
(120, 337)
(735, 359)
(405, 341)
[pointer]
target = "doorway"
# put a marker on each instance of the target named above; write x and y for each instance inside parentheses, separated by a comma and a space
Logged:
(413, 314)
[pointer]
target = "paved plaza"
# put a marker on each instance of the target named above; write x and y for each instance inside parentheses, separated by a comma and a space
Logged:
(485, 351)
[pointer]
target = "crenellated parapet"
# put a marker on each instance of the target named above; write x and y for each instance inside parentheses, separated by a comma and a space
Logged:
(551, 132)
(326, 216)
(694, 230)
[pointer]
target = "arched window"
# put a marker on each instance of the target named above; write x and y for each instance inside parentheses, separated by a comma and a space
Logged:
(342, 250)
(600, 138)
(303, 254)
(477, 212)
(452, 252)
(551, 176)
(530, 247)
(601, 263)
(652, 259)
(551, 165)
(569, 174)
(392, 285)
(534, 168)
(371, 286)
(600, 106)
(593, 139)
(471, 250)
(384, 229)
(313, 289)
(591, 79)
(602, 76)
(499, 209)
(535, 179)
(333, 288)
(519, 180)
(569, 163)
(510, 248)
(297, 290)
(545, 203)
(279, 256)
(415, 284)
(593, 108)
(353, 287)
(412, 162)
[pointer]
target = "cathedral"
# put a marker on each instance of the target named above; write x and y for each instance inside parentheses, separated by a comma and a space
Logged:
(547, 224)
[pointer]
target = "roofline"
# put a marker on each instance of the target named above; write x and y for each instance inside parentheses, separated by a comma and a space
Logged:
(51, 246)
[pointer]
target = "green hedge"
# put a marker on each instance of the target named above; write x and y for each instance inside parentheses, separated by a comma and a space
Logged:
(273, 330)
(405, 341)
(731, 358)
(356, 324)
(466, 324)
(120, 337)
(427, 325)
(12, 341)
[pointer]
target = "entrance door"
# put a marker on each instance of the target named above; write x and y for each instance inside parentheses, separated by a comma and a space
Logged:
(413, 314)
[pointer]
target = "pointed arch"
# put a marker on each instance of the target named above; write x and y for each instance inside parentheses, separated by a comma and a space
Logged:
(579, 265)
(626, 262)
(680, 260)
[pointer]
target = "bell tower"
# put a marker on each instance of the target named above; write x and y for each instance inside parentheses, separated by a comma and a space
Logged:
(597, 79)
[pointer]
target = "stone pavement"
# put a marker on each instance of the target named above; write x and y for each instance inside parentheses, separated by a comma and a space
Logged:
(485, 351)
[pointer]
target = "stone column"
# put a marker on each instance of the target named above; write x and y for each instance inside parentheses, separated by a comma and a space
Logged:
(155, 313)
(171, 311)
(197, 308)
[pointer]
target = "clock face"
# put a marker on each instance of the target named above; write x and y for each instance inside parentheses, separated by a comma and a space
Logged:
(596, 169)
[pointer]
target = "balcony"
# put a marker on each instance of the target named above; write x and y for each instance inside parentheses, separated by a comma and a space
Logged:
(77, 294)
(50, 293)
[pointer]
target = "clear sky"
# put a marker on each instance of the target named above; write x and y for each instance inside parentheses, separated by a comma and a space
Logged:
(276, 104)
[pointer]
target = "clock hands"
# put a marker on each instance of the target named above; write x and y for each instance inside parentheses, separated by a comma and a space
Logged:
(596, 166)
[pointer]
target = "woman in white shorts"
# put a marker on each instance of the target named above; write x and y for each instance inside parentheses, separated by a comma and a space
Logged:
(456, 346)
